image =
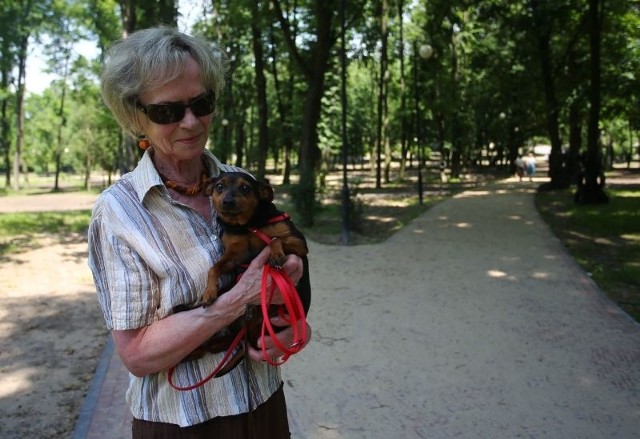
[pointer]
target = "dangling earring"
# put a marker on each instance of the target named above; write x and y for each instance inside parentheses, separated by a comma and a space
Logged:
(142, 142)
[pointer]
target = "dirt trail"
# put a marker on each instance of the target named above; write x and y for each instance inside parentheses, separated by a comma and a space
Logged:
(51, 329)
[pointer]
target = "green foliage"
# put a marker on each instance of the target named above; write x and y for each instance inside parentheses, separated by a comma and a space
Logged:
(486, 63)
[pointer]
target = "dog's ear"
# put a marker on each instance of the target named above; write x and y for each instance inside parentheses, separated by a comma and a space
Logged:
(209, 184)
(265, 191)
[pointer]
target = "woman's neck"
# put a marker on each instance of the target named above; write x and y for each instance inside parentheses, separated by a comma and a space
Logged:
(185, 172)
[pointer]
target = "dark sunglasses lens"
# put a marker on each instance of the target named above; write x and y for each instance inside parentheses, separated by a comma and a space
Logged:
(165, 114)
(170, 113)
(203, 106)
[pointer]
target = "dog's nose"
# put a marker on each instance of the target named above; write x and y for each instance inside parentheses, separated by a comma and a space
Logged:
(229, 202)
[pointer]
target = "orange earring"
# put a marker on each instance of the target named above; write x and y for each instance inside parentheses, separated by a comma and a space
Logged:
(143, 143)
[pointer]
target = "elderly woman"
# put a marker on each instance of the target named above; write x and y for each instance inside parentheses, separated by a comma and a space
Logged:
(152, 238)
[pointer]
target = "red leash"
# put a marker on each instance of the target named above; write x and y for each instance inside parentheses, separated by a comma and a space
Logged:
(292, 312)
(234, 344)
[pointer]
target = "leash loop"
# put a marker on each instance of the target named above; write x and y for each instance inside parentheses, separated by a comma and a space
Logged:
(292, 312)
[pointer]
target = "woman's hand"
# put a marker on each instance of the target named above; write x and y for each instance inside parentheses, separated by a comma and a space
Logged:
(250, 286)
(251, 281)
(285, 337)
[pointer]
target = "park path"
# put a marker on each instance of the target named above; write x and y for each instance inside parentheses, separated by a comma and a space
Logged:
(471, 322)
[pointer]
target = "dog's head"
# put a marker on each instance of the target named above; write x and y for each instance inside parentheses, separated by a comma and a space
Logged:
(237, 195)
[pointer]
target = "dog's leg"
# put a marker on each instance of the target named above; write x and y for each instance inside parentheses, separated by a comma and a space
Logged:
(295, 245)
(211, 291)
(223, 266)
(277, 253)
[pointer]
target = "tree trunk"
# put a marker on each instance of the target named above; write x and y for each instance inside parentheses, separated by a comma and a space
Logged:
(128, 156)
(591, 184)
(315, 75)
(128, 14)
(241, 137)
(5, 132)
(404, 143)
(544, 52)
(17, 157)
(61, 117)
(284, 111)
(384, 36)
(571, 164)
(456, 147)
(261, 90)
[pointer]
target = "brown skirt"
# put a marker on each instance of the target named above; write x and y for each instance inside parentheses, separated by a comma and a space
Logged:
(267, 421)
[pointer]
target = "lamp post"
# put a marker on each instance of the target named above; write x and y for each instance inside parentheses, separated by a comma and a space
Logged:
(225, 135)
(502, 141)
(425, 52)
(343, 98)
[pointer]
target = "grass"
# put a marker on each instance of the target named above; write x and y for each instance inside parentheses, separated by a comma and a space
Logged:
(18, 230)
(35, 184)
(604, 240)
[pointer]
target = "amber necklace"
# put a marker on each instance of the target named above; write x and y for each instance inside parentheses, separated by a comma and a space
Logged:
(189, 191)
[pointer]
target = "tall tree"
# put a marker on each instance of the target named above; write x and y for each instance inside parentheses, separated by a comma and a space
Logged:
(64, 28)
(542, 28)
(8, 14)
(591, 187)
(261, 87)
(382, 90)
(29, 18)
(284, 101)
(313, 66)
(404, 138)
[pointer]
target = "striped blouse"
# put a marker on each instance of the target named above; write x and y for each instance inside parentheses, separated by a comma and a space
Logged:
(148, 254)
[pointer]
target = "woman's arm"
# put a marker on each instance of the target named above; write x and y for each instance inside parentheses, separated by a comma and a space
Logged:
(164, 343)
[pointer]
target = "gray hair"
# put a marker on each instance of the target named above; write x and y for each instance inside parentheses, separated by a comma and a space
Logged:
(150, 58)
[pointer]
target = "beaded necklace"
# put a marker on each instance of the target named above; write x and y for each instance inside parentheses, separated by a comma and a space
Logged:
(189, 191)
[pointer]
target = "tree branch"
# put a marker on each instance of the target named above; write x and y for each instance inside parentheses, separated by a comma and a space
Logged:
(288, 38)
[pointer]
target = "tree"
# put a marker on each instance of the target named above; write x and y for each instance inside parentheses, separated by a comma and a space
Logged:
(382, 93)
(28, 16)
(261, 88)
(313, 66)
(591, 185)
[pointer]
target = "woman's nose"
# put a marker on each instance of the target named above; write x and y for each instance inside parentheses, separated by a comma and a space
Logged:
(189, 118)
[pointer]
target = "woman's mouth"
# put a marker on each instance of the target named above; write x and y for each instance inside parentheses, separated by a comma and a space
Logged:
(190, 140)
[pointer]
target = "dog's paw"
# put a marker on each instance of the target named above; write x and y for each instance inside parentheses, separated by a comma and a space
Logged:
(210, 295)
(277, 262)
(206, 302)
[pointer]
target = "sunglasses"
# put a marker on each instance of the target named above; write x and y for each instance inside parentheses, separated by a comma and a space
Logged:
(165, 114)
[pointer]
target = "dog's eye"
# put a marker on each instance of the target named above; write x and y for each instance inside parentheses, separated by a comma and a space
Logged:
(219, 187)
(245, 188)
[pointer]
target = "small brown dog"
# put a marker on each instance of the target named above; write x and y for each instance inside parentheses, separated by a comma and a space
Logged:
(244, 204)
(248, 217)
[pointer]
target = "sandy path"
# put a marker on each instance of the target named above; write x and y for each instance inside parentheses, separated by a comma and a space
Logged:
(51, 329)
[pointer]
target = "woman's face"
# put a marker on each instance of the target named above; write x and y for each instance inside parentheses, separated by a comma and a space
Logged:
(183, 140)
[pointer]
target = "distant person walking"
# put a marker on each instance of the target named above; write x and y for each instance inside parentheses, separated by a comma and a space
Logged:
(530, 166)
(519, 167)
